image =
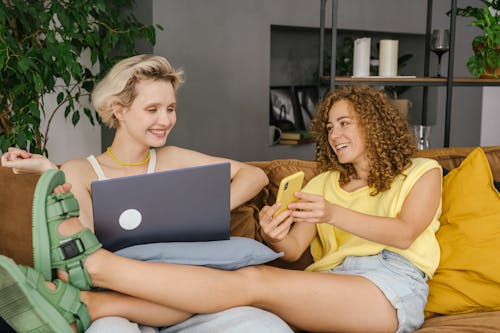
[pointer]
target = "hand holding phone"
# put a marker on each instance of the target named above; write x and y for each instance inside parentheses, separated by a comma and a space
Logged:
(288, 186)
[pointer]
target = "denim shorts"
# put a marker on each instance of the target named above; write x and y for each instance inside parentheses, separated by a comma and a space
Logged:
(402, 283)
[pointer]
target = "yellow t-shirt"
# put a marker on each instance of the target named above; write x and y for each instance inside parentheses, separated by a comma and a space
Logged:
(332, 245)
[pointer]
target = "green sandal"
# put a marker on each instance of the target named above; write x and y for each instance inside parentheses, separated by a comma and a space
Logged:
(27, 304)
(51, 250)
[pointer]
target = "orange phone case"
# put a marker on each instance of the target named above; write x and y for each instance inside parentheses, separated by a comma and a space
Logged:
(288, 186)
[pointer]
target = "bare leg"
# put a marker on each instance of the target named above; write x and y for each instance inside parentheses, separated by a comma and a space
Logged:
(106, 304)
(312, 301)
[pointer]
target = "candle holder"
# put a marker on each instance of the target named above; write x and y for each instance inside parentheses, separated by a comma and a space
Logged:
(388, 58)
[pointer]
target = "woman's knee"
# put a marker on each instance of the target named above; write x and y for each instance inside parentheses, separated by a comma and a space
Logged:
(256, 282)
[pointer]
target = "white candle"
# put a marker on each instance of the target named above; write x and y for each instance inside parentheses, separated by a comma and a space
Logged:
(388, 58)
(361, 65)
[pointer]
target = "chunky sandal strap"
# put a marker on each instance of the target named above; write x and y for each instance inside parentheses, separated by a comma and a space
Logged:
(72, 252)
(69, 253)
(61, 207)
(70, 301)
(65, 299)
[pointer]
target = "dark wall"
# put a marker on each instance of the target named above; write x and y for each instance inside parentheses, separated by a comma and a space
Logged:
(143, 11)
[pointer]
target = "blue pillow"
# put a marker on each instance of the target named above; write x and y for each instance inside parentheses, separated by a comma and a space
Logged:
(495, 182)
(229, 254)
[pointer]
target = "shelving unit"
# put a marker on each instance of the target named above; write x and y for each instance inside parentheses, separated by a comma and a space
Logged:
(449, 81)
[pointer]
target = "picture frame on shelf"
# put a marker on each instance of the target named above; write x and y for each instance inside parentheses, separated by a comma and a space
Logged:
(284, 109)
(308, 97)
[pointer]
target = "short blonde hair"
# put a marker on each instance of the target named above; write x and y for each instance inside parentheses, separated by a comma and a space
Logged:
(118, 86)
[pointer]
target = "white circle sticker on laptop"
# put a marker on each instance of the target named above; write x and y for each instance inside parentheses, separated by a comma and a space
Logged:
(130, 219)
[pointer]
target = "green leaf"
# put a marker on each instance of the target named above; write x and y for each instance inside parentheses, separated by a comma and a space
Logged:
(35, 111)
(60, 97)
(88, 85)
(23, 65)
(21, 140)
(4, 143)
(38, 83)
(3, 57)
(67, 110)
(88, 113)
(76, 118)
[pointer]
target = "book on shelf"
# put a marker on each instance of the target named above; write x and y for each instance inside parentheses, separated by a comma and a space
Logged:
(295, 141)
(296, 135)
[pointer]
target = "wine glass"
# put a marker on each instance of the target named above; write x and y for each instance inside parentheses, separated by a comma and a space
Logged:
(440, 44)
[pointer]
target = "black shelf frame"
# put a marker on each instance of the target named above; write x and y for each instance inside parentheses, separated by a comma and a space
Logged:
(449, 81)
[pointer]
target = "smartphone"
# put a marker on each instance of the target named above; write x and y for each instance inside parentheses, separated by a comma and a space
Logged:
(288, 186)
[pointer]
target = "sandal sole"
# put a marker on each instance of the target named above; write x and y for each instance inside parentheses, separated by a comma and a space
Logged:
(22, 307)
(49, 180)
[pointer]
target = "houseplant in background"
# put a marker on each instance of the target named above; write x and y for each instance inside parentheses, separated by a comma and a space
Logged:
(41, 48)
(485, 63)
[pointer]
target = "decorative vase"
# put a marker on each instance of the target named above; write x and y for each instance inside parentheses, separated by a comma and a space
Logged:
(489, 73)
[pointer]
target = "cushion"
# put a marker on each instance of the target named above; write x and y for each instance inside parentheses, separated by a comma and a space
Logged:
(229, 254)
(496, 183)
(468, 275)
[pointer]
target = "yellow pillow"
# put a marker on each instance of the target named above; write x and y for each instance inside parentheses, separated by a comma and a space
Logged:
(468, 276)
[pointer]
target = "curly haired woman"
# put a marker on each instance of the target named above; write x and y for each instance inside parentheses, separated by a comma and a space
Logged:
(369, 219)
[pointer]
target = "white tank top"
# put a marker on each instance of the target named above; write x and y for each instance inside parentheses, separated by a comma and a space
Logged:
(100, 174)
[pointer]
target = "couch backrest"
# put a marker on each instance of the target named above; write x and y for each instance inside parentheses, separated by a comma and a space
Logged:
(448, 158)
(16, 195)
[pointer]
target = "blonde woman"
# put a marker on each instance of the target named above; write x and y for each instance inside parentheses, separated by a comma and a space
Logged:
(138, 99)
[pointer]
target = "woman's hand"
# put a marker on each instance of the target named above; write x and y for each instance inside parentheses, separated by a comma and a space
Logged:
(22, 161)
(274, 230)
(312, 208)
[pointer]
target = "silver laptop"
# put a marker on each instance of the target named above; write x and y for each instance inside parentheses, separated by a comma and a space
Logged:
(183, 205)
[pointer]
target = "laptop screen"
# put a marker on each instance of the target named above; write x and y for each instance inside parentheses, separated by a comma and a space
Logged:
(182, 205)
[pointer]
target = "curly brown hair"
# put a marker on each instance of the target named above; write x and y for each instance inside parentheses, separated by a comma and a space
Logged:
(389, 142)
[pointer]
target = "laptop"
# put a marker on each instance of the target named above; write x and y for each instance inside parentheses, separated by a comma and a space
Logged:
(184, 205)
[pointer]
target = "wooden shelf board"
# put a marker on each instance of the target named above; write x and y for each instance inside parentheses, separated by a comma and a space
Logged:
(417, 81)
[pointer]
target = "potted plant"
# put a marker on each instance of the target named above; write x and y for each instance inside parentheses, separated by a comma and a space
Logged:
(485, 63)
(41, 45)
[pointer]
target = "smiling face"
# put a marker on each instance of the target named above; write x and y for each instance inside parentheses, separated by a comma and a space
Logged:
(345, 134)
(152, 114)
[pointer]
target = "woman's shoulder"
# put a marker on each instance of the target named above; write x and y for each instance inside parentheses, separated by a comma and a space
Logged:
(424, 162)
(77, 166)
(321, 178)
(174, 153)
(167, 150)
(79, 173)
(172, 157)
(418, 167)
(75, 162)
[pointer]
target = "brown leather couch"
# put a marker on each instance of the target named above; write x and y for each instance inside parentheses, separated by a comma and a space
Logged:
(16, 194)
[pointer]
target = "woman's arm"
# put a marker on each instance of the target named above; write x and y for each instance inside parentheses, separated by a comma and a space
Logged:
(246, 180)
(416, 214)
(22, 161)
(79, 173)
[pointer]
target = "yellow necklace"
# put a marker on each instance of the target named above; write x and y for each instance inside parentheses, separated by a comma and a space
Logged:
(115, 159)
